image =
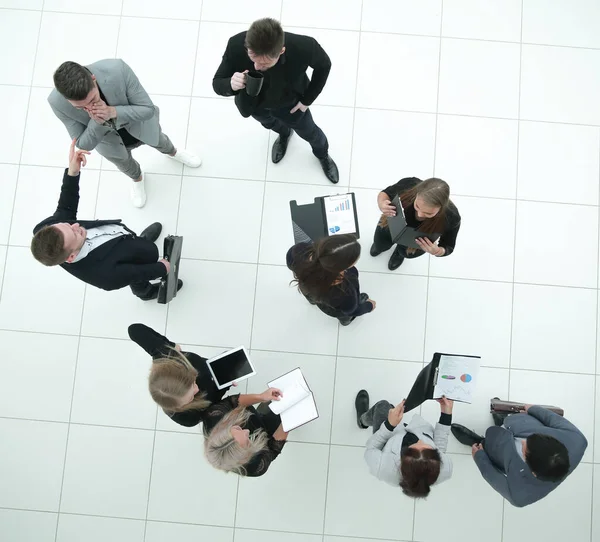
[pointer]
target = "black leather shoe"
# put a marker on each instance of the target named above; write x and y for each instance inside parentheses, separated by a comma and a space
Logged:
(363, 298)
(395, 259)
(152, 232)
(361, 403)
(330, 169)
(179, 284)
(346, 321)
(464, 435)
(374, 252)
(153, 293)
(280, 147)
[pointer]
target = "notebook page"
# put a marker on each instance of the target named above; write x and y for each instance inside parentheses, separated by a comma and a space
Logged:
(301, 413)
(292, 394)
(457, 378)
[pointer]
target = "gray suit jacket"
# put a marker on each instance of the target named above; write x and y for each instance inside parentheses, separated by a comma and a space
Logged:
(135, 111)
(383, 449)
(502, 466)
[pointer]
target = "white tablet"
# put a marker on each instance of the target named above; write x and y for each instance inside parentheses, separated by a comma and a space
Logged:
(231, 366)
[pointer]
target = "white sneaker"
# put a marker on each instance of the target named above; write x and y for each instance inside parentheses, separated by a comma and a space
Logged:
(138, 193)
(187, 158)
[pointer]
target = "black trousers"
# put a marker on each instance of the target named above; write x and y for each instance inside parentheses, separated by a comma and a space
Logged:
(280, 120)
(144, 252)
(382, 239)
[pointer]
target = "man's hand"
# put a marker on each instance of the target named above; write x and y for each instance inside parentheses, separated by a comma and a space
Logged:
(527, 407)
(372, 301)
(446, 404)
(387, 208)
(395, 414)
(476, 448)
(272, 394)
(300, 106)
(167, 264)
(102, 111)
(238, 80)
(426, 245)
(77, 159)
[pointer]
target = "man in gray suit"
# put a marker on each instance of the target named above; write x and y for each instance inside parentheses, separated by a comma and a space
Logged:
(104, 107)
(525, 456)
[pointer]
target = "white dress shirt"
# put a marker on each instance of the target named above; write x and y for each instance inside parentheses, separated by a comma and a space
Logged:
(98, 236)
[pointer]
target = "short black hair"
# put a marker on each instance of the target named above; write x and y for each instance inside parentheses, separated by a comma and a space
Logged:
(73, 81)
(547, 457)
(265, 37)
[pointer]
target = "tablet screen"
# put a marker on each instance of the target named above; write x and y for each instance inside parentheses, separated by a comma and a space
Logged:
(230, 367)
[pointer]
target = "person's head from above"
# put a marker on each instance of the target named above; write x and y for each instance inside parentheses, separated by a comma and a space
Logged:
(265, 43)
(57, 244)
(77, 84)
(172, 384)
(419, 468)
(429, 198)
(547, 457)
(229, 447)
(325, 262)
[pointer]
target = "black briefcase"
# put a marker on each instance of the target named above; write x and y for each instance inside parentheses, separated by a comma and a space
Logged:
(172, 252)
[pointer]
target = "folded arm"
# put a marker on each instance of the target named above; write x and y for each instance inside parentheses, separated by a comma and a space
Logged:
(140, 106)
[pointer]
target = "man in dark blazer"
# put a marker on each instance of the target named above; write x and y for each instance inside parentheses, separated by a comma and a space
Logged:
(525, 456)
(103, 253)
(283, 101)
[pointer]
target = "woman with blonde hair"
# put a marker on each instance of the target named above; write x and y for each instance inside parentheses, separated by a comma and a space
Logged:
(179, 382)
(427, 208)
(240, 438)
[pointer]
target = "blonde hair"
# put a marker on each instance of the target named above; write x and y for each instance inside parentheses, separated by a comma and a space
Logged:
(170, 379)
(224, 452)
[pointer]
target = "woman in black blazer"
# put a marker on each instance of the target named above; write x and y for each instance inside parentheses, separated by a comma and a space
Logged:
(325, 274)
(427, 208)
(179, 382)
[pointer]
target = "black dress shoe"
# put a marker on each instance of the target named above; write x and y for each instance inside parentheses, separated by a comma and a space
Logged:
(363, 298)
(330, 169)
(152, 232)
(361, 403)
(153, 293)
(280, 147)
(346, 321)
(464, 435)
(374, 252)
(395, 259)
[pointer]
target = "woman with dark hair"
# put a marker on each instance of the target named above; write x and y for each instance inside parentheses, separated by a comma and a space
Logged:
(411, 456)
(324, 272)
(427, 208)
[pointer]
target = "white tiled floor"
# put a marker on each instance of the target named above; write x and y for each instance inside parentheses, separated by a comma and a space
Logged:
(498, 98)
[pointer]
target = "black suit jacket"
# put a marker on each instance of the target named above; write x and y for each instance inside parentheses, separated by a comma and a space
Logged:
(113, 265)
(285, 83)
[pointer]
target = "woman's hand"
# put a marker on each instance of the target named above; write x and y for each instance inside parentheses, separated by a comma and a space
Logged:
(386, 207)
(395, 414)
(446, 404)
(272, 394)
(426, 245)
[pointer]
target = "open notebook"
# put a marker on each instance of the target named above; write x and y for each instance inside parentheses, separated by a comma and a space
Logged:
(297, 406)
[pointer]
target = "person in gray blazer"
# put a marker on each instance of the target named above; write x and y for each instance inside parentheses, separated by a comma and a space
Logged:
(412, 456)
(105, 107)
(525, 456)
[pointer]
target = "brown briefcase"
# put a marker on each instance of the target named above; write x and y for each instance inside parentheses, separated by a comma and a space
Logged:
(506, 407)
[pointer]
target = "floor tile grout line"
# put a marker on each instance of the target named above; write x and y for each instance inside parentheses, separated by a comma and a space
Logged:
(64, 469)
(37, 45)
(337, 344)
(512, 311)
(353, 30)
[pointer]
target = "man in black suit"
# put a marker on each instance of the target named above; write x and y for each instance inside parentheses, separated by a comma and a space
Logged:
(103, 253)
(282, 104)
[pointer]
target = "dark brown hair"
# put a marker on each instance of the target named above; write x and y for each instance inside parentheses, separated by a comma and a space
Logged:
(73, 81)
(320, 265)
(265, 38)
(48, 246)
(547, 457)
(420, 469)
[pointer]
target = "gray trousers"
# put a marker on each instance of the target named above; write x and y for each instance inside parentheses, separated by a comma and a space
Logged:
(376, 415)
(131, 167)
